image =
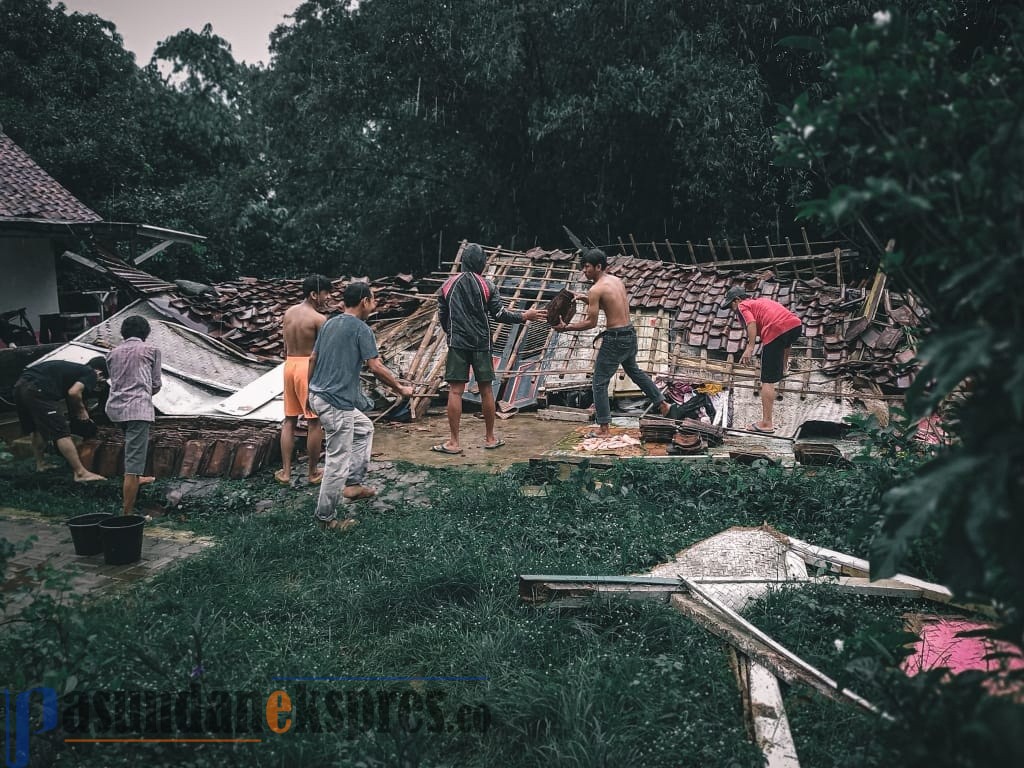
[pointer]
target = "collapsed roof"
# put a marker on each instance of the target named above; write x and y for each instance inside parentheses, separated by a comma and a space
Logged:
(857, 344)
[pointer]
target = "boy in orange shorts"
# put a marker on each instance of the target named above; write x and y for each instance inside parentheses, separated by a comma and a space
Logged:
(300, 326)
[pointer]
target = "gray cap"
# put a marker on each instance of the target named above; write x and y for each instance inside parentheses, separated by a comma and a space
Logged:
(732, 294)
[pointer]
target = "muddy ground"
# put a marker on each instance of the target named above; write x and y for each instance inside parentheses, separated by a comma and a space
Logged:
(526, 437)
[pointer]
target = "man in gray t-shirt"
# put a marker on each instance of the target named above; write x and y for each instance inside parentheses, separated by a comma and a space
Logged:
(345, 343)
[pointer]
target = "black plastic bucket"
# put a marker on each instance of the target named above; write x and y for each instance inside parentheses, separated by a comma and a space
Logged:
(122, 538)
(85, 532)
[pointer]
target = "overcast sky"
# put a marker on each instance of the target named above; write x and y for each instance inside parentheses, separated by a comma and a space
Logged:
(246, 24)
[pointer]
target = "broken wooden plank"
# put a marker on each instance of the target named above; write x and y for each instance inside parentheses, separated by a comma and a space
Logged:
(564, 413)
(768, 713)
(813, 676)
(856, 566)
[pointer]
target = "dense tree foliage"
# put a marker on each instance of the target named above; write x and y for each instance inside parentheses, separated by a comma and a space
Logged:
(131, 144)
(922, 139)
(400, 127)
(384, 132)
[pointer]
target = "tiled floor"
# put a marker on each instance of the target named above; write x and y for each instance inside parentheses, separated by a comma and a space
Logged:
(89, 575)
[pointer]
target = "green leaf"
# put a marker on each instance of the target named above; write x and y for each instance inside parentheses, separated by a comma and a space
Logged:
(912, 506)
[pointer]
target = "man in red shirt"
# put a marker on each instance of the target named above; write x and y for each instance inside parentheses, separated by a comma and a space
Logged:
(779, 329)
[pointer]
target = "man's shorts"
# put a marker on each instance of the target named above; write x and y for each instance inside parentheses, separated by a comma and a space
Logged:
(296, 387)
(773, 352)
(38, 414)
(136, 446)
(456, 369)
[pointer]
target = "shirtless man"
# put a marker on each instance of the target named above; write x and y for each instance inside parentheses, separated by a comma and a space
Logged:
(300, 326)
(618, 342)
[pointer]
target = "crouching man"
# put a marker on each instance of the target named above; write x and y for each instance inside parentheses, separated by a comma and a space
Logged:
(37, 396)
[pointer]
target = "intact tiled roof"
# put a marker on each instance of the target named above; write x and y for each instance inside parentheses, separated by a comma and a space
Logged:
(29, 192)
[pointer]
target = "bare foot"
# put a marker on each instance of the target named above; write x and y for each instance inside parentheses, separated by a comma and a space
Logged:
(88, 477)
(356, 492)
(282, 478)
(315, 479)
(146, 480)
(337, 525)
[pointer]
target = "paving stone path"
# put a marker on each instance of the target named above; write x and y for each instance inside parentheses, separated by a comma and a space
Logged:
(89, 576)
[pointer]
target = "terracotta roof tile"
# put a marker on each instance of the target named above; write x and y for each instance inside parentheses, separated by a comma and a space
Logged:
(29, 192)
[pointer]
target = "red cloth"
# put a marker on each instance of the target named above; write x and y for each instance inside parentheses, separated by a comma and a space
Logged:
(772, 318)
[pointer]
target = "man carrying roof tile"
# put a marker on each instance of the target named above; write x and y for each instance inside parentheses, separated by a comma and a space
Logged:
(134, 379)
(345, 343)
(299, 327)
(779, 329)
(37, 395)
(464, 303)
(618, 341)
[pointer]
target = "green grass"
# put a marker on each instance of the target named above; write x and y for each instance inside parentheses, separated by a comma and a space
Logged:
(430, 590)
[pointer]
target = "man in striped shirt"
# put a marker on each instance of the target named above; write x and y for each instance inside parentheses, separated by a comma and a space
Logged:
(134, 379)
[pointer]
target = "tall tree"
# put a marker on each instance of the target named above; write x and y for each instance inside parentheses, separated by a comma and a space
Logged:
(923, 141)
(399, 127)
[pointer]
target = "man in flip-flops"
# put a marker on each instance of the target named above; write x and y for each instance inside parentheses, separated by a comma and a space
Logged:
(344, 345)
(464, 303)
(779, 329)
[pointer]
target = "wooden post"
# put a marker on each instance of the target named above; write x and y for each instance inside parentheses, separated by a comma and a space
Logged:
(671, 252)
(839, 266)
(746, 247)
(714, 256)
(807, 245)
(728, 250)
(693, 256)
(636, 248)
(654, 247)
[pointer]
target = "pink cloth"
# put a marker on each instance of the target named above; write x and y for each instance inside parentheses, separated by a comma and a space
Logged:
(940, 646)
(772, 318)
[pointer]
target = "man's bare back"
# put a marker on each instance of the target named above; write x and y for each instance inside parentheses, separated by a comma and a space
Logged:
(300, 326)
(609, 295)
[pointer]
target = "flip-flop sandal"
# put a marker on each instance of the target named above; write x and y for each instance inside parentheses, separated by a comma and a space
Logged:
(758, 430)
(316, 479)
(492, 446)
(442, 448)
(281, 479)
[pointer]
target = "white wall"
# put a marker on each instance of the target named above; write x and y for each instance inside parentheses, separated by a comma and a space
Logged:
(28, 276)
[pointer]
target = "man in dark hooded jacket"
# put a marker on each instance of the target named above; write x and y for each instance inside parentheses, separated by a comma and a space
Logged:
(464, 303)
